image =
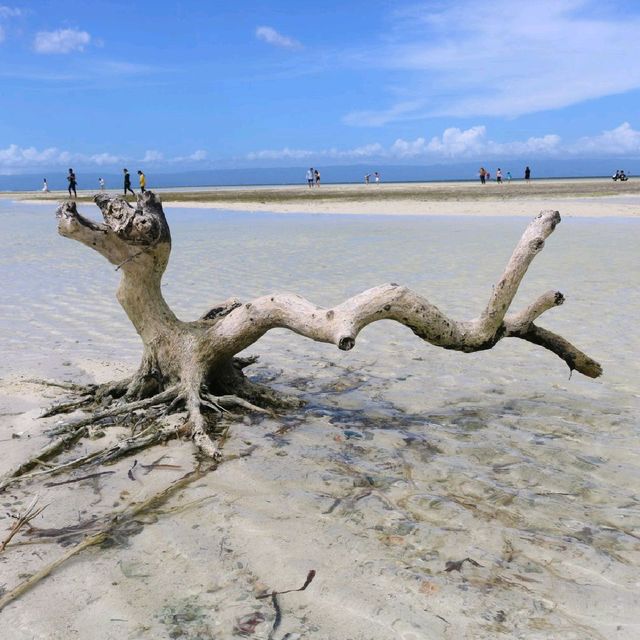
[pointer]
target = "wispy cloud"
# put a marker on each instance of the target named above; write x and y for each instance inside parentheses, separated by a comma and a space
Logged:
(15, 157)
(61, 41)
(365, 151)
(623, 140)
(153, 156)
(9, 12)
(271, 36)
(6, 13)
(516, 58)
(473, 143)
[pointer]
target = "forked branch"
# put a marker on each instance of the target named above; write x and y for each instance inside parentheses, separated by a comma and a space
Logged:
(341, 324)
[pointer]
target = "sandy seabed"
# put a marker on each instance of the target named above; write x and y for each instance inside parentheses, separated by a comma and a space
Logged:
(405, 457)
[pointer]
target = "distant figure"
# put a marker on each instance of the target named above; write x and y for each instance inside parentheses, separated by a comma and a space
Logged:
(508, 176)
(366, 178)
(71, 179)
(376, 175)
(527, 174)
(488, 176)
(101, 183)
(127, 182)
(483, 175)
(45, 186)
(310, 177)
(316, 173)
(143, 181)
(499, 176)
(620, 175)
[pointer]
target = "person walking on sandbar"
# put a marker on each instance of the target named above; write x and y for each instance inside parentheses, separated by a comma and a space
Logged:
(71, 179)
(127, 183)
(143, 181)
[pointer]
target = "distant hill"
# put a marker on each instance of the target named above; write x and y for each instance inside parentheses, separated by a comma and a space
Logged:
(330, 174)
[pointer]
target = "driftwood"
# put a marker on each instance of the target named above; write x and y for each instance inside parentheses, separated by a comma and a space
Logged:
(193, 366)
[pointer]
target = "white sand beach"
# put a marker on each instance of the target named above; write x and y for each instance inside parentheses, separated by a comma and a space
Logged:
(404, 460)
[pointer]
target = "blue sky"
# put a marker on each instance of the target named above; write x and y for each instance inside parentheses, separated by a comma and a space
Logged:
(197, 85)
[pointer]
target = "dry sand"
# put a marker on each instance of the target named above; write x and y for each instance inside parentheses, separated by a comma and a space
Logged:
(599, 197)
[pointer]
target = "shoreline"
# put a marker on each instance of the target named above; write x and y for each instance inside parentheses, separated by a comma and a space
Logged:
(573, 197)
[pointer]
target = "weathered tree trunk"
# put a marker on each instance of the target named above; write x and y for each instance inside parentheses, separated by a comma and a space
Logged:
(192, 365)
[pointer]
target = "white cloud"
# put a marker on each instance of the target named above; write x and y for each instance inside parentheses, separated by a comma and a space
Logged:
(398, 111)
(452, 59)
(271, 36)
(61, 41)
(9, 12)
(153, 156)
(102, 159)
(6, 13)
(619, 141)
(197, 156)
(474, 143)
(16, 157)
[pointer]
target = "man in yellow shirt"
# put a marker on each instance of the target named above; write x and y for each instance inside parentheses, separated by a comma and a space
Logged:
(143, 181)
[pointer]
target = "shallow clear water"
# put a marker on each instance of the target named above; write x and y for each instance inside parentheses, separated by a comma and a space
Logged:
(405, 456)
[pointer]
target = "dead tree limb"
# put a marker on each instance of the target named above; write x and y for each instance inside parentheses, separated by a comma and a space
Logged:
(192, 366)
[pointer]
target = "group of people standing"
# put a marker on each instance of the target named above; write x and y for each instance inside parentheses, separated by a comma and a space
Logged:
(485, 176)
(72, 183)
(376, 178)
(313, 177)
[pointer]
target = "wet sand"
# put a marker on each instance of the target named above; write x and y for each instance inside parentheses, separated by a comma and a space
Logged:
(404, 458)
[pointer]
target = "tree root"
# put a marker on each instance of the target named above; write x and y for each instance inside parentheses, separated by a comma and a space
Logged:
(111, 523)
(69, 386)
(67, 407)
(129, 407)
(23, 520)
(204, 410)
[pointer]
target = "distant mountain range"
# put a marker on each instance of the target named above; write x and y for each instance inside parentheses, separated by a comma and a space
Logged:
(548, 168)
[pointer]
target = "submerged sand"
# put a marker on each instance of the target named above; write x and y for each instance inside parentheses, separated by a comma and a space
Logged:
(404, 458)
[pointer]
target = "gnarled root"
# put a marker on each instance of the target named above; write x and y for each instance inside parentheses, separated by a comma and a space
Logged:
(205, 411)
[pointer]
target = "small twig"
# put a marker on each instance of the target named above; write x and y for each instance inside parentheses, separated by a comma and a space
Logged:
(91, 475)
(310, 576)
(456, 565)
(130, 472)
(112, 523)
(278, 618)
(23, 520)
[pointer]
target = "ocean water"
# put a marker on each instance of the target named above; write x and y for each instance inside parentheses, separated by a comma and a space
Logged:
(404, 458)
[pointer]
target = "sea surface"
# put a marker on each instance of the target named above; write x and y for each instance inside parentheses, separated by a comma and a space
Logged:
(405, 458)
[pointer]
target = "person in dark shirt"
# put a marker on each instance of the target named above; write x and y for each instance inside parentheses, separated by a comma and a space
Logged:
(127, 183)
(71, 179)
(527, 174)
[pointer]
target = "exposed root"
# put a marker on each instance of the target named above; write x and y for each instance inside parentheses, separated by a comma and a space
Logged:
(165, 396)
(111, 523)
(260, 394)
(235, 401)
(67, 407)
(51, 450)
(22, 520)
(120, 449)
(69, 386)
(114, 389)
